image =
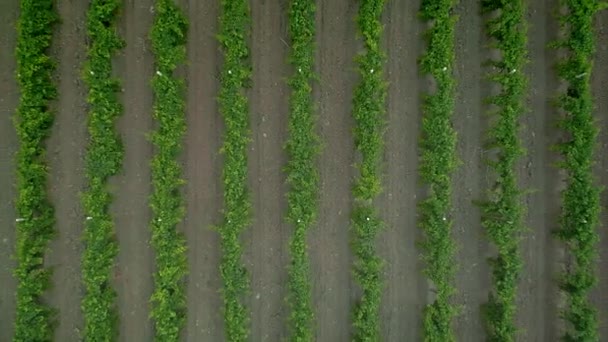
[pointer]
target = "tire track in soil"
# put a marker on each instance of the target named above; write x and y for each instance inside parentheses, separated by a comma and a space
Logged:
(131, 188)
(405, 287)
(599, 86)
(331, 258)
(470, 178)
(266, 254)
(538, 292)
(9, 99)
(66, 175)
(202, 171)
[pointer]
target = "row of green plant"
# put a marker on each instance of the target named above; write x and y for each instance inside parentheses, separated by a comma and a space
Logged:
(168, 37)
(502, 211)
(368, 112)
(580, 207)
(233, 105)
(34, 320)
(302, 176)
(438, 161)
(103, 160)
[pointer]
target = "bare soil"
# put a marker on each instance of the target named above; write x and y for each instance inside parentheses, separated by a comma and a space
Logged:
(472, 278)
(9, 98)
(202, 171)
(266, 253)
(131, 188)
(406, 290)
(66, 147)
(599, 86)
(331, 258)
(538, 293)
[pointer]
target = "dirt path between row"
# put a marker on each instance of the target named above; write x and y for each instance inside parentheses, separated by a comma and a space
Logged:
(330, 241)
(202, 171)
(472, 278)
(405, 289)
(538, 293)
(599, 85)
(266, 254)
(131, 188)
(66, 148)
(9, 99)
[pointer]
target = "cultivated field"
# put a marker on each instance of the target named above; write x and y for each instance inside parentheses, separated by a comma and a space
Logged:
(298, 204)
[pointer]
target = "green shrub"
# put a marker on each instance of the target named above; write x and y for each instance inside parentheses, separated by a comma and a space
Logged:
(103, 159)
(581, 205)
(168, 38)
(34, 320)
(502, 212)
(438, 161)
(302, 176)
(368, 112)
(233, 105)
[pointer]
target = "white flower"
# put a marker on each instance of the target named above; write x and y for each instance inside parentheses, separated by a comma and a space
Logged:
(92, 73)
(19, 219)
(159, 73)
(372, 71)
(368, 218)
(230, 72)
(89, 218)
(445, 69)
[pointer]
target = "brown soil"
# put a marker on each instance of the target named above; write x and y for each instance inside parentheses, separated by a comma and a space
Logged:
(203, 192)
(599, 85)
(538, 293)
(66, 148)
(405, 291)
(329, 242)
(472, 278)
(9, 98)
(131, 188)
(266, 253)
(266, 241)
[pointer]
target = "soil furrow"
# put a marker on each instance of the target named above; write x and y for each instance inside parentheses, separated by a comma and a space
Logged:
(599, 86)
(66, 164)
(331, 258)
(537, 300)
(405, 287)
(473, 274)
(131, 187)
(266, 252)
(9, 99)
(202, 171)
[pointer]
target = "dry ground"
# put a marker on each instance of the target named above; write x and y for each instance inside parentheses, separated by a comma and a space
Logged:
(266, 257)
(9, 98)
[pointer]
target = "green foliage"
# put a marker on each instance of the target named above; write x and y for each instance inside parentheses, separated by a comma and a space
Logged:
(581, 206)
(168, 37)
(34, 320)
(302, 177)
(368, 111)
(502, 212)
(103, 159)
(438, 160)
(233, 105)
